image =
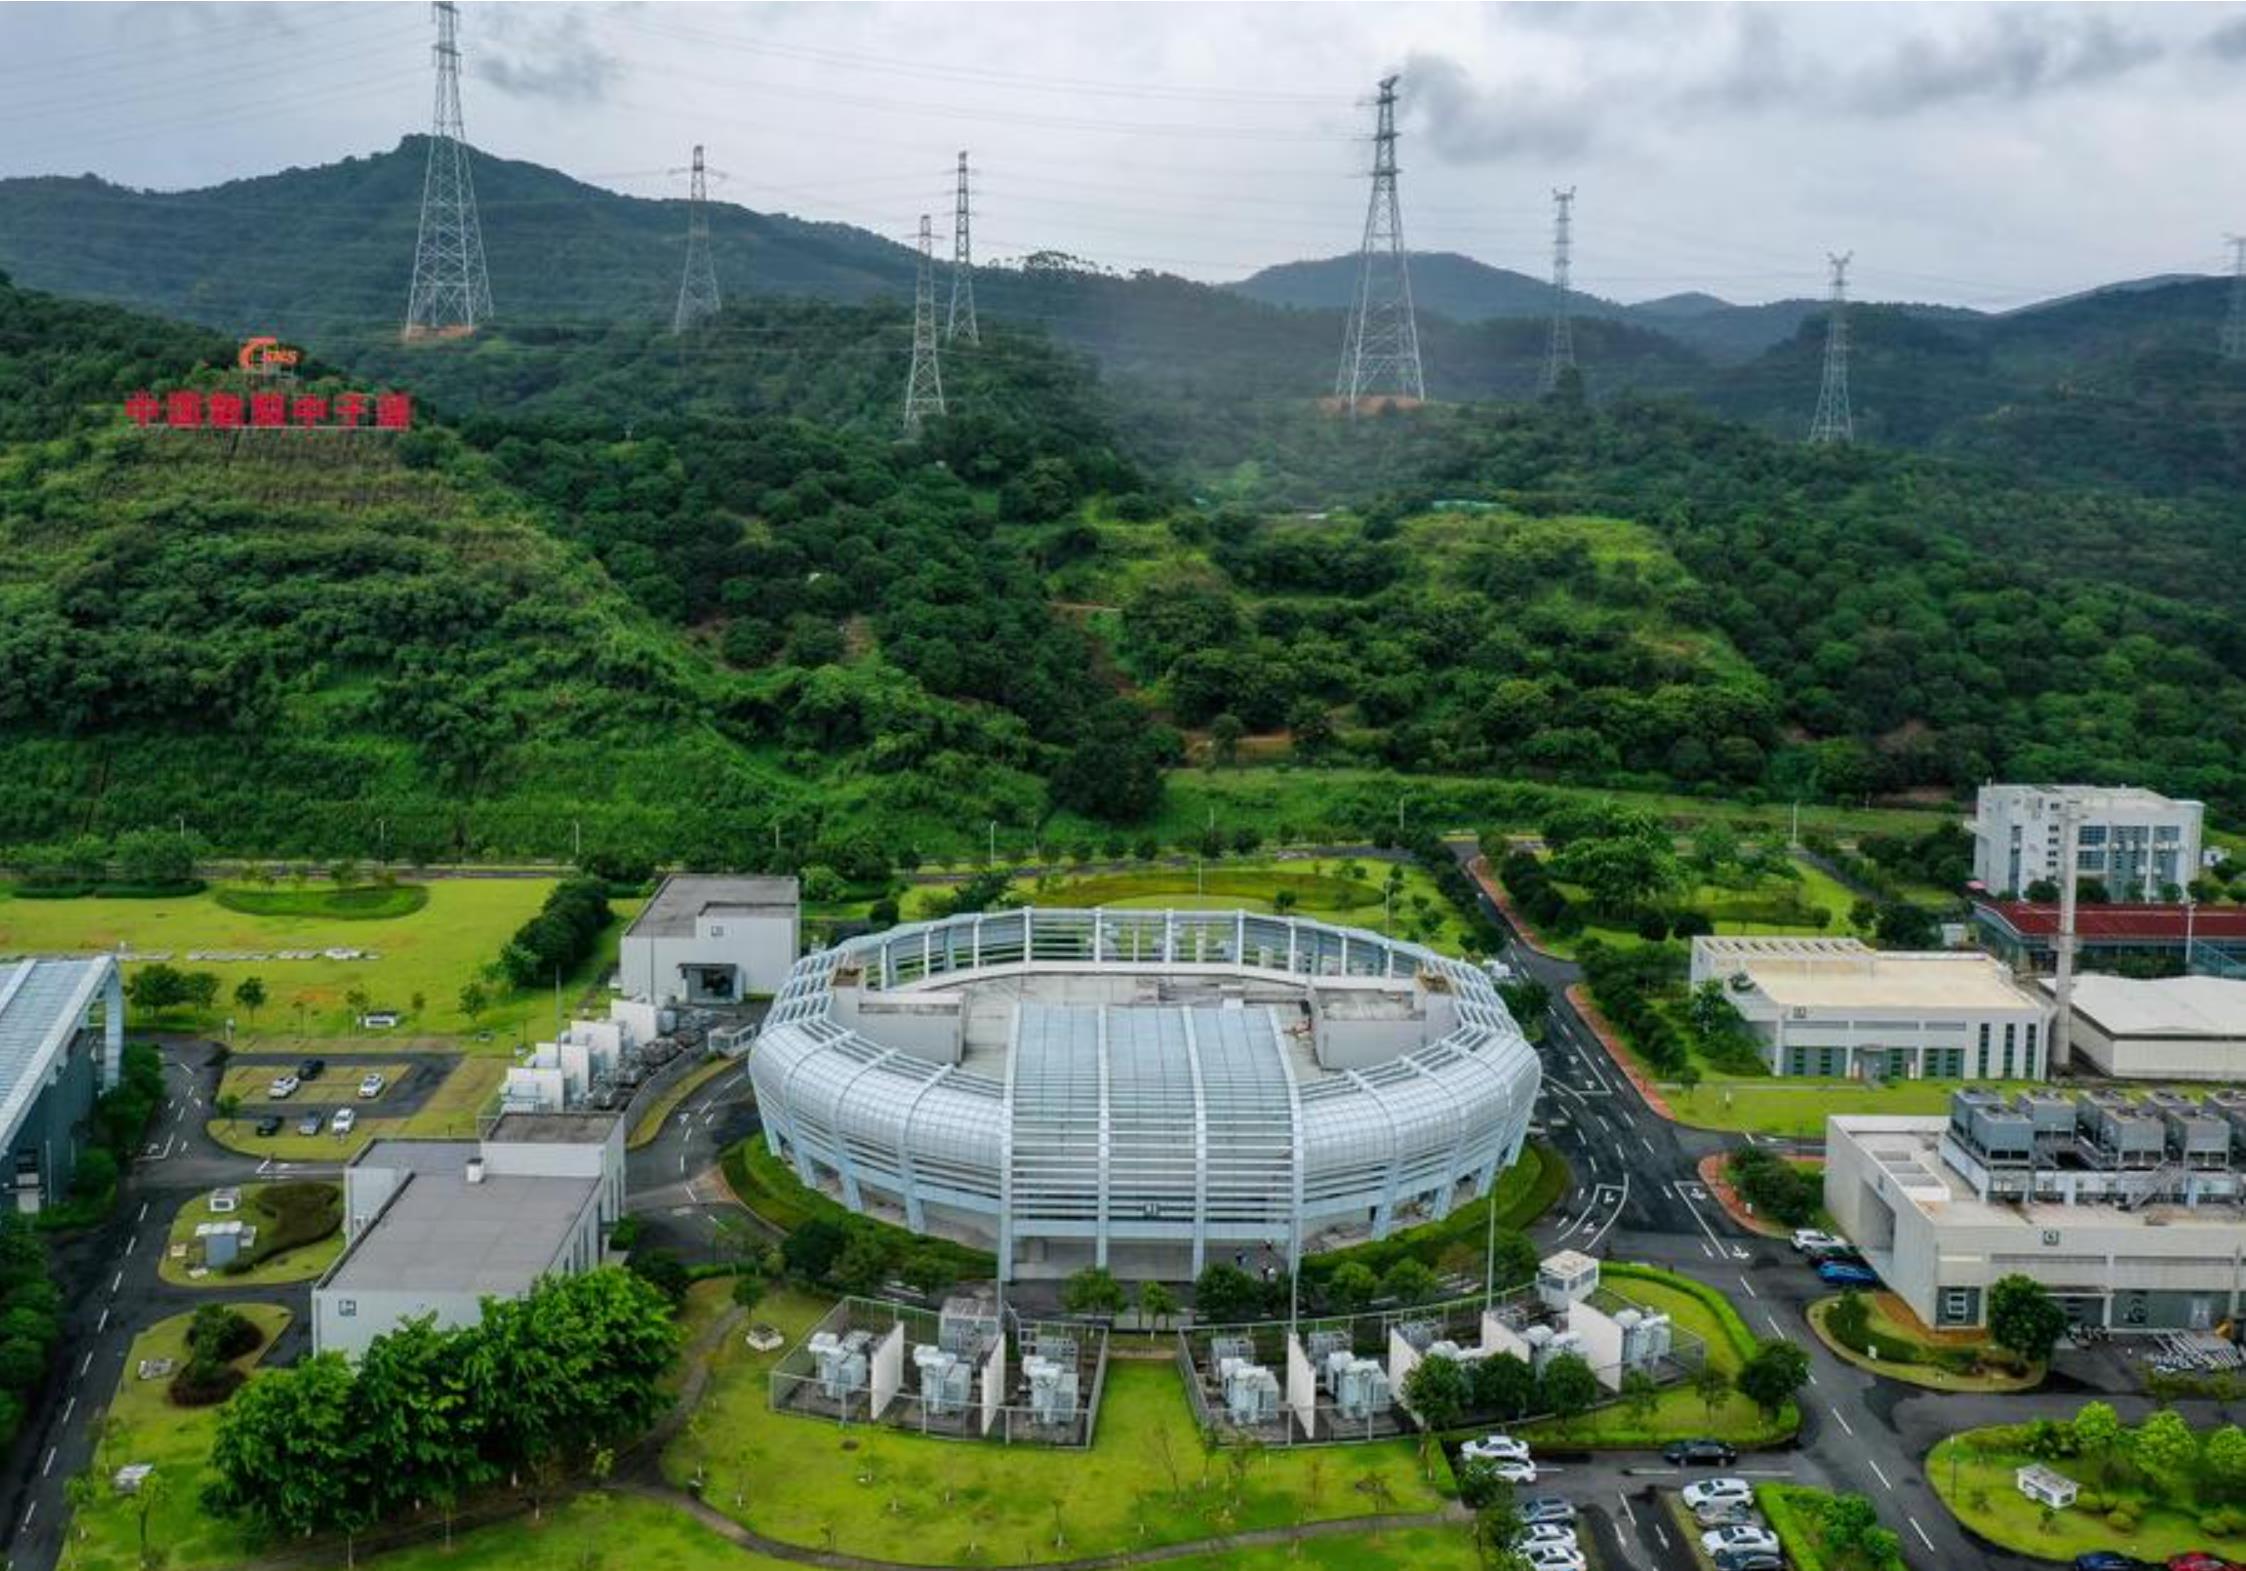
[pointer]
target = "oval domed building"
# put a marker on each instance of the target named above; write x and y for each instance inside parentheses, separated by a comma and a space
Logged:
(1151, 1091)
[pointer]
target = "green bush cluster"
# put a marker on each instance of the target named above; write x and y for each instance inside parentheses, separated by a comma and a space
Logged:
(30, 1316)
(561, 936)
(289, 1217)
(1775, 1187)
(1629, 986)
(217, 1336)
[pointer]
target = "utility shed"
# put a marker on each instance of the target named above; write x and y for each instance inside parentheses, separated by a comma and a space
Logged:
(712, 940)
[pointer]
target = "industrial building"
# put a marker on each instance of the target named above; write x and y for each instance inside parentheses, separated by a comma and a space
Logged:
(435, 1227)
(2175, 1028)
(2177, 938)
(62, 1043)
(2138, 843)
(709, 940)
(1145, 1090)
(1836, 1008)
(2131, 1212)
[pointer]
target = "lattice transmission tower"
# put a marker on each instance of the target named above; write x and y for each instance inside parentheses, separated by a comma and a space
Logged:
(1380, 351)
(2234, 325)
(924, 387)
(960, 323)
(451, 290)
(697, 291)
(1833, 422)
(1559, 351)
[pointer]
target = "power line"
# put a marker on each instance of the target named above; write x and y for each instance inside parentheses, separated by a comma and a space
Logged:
(1380, 354)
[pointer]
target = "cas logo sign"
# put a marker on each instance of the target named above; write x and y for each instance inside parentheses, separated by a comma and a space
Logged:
(267, 357)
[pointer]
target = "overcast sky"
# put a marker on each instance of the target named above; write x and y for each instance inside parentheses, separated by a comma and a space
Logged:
(1982, 154)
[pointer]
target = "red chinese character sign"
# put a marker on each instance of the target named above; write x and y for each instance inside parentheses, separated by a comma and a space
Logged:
(264, 407)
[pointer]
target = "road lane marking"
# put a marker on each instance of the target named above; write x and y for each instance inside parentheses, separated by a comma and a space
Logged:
(102, 1324)
(1749, 1286)
(1628, 1515)
(117, 1282)
(85, 1363)
(1704, 1249)
(66, 1407)
(49, 1465)
(1649, 1147)
(1776, 1328)
(27, 1510)
(1841, 1419)
(143, 1216)
(1882, 1477)
(1664, 1537)
(1922, 1538)
(130, 1242)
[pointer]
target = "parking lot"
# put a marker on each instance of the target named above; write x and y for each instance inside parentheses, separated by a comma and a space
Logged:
(409, 1080)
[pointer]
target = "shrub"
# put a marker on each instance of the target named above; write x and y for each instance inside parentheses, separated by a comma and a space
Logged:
(626, 1232)
(289, 1217)
(205, 1382)
(219, 1333)
(2121, 1519)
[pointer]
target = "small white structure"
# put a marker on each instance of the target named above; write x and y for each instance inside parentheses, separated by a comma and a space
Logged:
(2174, 1028)
(2137, 843)
(1566, 1279)
(2045, 1487)
(1837, 1008)
(705, 940)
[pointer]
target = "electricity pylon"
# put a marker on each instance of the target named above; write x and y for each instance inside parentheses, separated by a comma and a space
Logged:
(960, 323)
(2234, 325)
(924, 387)
(451, 290)
(1833, 422)
(1380, 351)
(1559, 352)
(697, 291)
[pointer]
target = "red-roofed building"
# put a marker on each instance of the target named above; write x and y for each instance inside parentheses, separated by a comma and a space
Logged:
(2023, 932)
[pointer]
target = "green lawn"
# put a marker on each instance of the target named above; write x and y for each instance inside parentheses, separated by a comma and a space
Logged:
(297, 1265)
(612, 1532)
(1785, 1105)
(1732, 909)
(434, 952)
(902, 1497)
(178, 1442)
(1907, 1356)
(1979, 1489)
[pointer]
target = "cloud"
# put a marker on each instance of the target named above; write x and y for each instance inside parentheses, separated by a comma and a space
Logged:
(1468, 124)
(555, 58)
(2021, 54)
(2227, 42)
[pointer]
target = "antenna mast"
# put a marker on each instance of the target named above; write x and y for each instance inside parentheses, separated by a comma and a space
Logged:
(1559, 354)
(451, 290)
(697, 291)
(2234, 326)
(960, 323)
(1380, 352)
(924, 388)
(1833, 423)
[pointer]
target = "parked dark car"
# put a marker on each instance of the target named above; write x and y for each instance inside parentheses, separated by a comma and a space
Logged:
(1835, 1273)
(1747, 1560)
(311, 1123)
(269, 1125)
(2108, 1560)
(312, 1069)
(1701, 1453)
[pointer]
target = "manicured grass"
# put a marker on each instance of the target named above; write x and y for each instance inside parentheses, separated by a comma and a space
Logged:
(1922, 1369)
(612, 1531)
(651, 1122)
(340, 1085)
(1973, 1473)
(1257, 886)
(360, 902)
(434, 952)
(904, 1497)
(1791, 1106)
(296, 1265)
(177, 1441)
(770, 1188)
(1736, 911)
(450, 1113)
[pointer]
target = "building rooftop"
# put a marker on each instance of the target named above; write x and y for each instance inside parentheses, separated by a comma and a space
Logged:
(442, 1234)
(2181, 1007)
(1840, 973)
(2121, 923)
(584, 1128)
(418, 1156)
(2114, 796)
(41, 1004)
(1909, 1150)
(684, 897)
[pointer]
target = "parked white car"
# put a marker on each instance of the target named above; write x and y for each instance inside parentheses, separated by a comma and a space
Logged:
(283, 1087)
(1554, 1557)
(1709, 1490)
(345, 1117)
(1808, 1240)
(1758, 1540)
(1510, 1470)
(371, 1084)
(1494, 1448)
(1546, 1533)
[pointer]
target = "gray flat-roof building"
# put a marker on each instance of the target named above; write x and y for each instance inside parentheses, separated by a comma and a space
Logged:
(62, 1042)
(438, 1226)
(711, 940)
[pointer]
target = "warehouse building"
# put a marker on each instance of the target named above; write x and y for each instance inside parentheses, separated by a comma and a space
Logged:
(2129, 1212)
(2138, 843)
(2176, 1028)
(1148, 1091)
(705, 940)
(1836, 1008)
(62, 1043)
(435, 1227)
(2175, 938)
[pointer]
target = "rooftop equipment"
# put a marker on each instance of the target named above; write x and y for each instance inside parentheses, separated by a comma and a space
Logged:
(1319, 1345)
(1546, 1344)
(1361, 1389)
(944, 1380)
(2000, 1136)
(2115, 1133)
(1419, 1335)
(1224, 1348)
(2230, 1105)
(1052, 1390)
(1251, 1393)
(1646, 1338)
(2052, 1114)
(966, 1326)
(841, 1362)
(2198, 1137)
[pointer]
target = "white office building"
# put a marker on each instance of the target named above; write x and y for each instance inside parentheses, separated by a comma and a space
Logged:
(435, 1227)
(2173, 1028)
(1836, 1008)
(705, 940)
(2129, 1212)
(2137, 843)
